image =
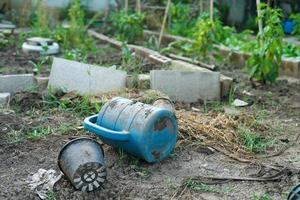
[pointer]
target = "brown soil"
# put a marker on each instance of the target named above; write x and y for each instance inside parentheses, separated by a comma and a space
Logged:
(15, 61)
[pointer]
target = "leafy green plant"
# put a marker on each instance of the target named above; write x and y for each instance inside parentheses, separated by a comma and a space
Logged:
(264, 196)
(265, 60)
(130, 63)
(38, 66)
(82, 105)
(39, 133)
(254, 142)
(40, 26)
(209, 32)
(296, 19)
(181, 22)
(128, 27)
(198, 186)
(240, 41)
(290, 50)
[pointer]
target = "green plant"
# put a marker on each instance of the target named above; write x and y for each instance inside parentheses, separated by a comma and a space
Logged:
(240, 41)
(40, 26)
(77, 31)
(51, 195)
(39, 133)
(130, 63)
(264, 196)
(208, 32)
(181, 21)
(265, 60)
(290, 50)
(81, 105)
(75, 54)
(170, 184)
(231, 95)
(39, 64)
(199, 186)
(296, 19)
(128, 27)
(254, 142)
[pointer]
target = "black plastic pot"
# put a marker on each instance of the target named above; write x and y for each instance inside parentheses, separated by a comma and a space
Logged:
(82, 161)
(295, 193)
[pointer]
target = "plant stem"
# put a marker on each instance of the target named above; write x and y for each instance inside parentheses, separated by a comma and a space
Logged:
(260, 24)
(126, 6)
(211, 10)
(138, 6)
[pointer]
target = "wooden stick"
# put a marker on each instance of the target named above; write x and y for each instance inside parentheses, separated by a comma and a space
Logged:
(260, 23)
(164, 23)
(126, 6)
(138, 6)
(211, 10)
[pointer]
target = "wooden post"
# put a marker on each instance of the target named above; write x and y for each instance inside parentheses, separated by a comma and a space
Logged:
(201, 6)
(126, 6)
(211, 10)
(164, 23)
(138, 6)
(260, 23)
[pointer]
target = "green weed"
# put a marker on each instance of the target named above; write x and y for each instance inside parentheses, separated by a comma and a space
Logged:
(181, 22)
(15, 136)
(81, 105)
(39, 133)
(131, 64)
(263, 65)
(170, 184)
(254, 142)
(51, 195)
(128, 27)
(127, 159)
(198, 186)
(264, 196)
(41, 26)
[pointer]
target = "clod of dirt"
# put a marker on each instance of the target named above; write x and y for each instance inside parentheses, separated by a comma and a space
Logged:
(27, 100)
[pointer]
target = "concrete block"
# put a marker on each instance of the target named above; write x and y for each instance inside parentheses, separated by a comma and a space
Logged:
(42, 83)
(226, 84)
(290, 67)
(187, 86)
(140, 82)
(17, 83)
(4, 99)
(225, 81)
(73, 76)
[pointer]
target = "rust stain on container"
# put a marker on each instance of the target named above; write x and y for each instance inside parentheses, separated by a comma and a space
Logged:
(161, 124)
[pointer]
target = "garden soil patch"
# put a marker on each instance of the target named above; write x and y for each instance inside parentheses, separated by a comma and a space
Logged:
(129, 178)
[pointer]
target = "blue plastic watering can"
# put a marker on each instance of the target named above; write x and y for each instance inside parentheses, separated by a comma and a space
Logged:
(143, 130)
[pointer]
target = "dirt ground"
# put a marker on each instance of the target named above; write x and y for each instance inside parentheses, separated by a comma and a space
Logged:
(132, 179)
(22, 153)
(15, 61)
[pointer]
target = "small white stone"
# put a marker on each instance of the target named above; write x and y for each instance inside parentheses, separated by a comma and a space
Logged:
(239, 103)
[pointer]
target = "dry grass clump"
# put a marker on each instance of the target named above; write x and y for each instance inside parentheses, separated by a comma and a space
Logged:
(239, 135)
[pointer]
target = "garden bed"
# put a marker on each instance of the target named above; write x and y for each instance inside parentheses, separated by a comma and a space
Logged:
(35, 129)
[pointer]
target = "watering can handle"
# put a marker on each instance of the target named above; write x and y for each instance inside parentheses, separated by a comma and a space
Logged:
(90, 125)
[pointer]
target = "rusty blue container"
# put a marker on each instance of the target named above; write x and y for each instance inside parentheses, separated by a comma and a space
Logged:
(143, 130)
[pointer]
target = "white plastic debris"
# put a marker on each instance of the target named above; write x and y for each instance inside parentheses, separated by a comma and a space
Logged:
(42, 45)
(239, 103)
(247, 93)
(43, 181)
